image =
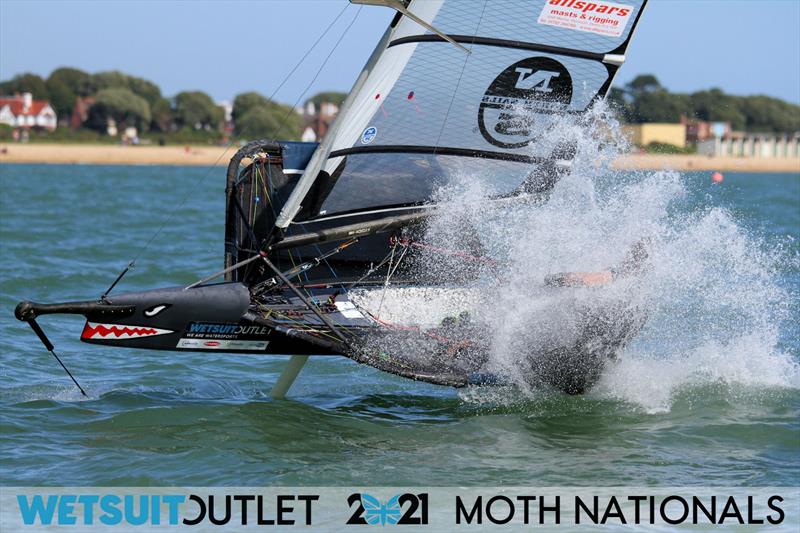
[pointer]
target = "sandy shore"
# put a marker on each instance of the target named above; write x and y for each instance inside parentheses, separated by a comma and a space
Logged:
(705, 163)
(99, 154)
(209, 155)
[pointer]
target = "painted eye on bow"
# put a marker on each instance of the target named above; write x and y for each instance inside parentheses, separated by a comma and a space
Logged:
(153, 311)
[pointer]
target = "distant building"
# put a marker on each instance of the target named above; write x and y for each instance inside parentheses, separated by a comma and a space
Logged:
(309, 135)
(25, 112)
(644, 134)
(80, 111)
(227, 110)
(700, 130)
(227, 118)
(111, 127)
(318, 120)
(757, 145)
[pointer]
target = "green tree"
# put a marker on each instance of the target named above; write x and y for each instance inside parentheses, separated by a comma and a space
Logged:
(119, 80)
(163, 117)
(255, 116)
(195, 109)
(245, 102)
(144, 88)
(26, 83)
(270, 123)
(78, 81)
(643, 83)
(763, 113)
(258, 123)
(660, 106)
(62, 98)
(328, 96)
(716, 106)
(122, 105)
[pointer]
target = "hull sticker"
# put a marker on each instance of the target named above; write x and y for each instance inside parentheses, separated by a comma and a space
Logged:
(202, 344)
(603, 18)
(348, 310)
(224, 336)
(119, 331)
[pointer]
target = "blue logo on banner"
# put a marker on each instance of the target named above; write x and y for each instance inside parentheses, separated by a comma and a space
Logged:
(376, 512)
(369, 135)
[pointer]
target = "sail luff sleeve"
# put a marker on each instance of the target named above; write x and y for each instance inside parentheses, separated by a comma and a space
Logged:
(320, 157)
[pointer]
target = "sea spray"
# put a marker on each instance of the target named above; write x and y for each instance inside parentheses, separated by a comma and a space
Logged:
(714, 308)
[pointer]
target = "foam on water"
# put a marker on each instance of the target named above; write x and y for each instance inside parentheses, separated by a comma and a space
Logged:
(715, 308)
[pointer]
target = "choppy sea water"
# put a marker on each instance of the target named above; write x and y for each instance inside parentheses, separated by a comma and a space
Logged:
(722, 412)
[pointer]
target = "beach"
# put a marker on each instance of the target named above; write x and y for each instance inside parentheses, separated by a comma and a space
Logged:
(209, 155)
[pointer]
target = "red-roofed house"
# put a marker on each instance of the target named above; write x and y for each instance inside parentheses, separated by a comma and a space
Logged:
(25, 112)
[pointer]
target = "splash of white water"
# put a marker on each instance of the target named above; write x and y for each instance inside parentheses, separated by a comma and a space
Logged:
(710, 291)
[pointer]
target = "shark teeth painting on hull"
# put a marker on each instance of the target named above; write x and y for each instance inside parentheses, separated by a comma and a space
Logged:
(118, 331)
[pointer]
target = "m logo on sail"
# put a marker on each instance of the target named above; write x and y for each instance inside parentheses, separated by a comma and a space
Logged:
(521, 104)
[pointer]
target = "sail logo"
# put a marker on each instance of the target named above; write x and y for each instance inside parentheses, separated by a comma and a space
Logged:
(369, 135)
(602, 18)
(537, 81)
(522, 103)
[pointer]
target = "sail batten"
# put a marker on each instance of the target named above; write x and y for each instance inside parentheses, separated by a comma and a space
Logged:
(503, 43)
(440, 150)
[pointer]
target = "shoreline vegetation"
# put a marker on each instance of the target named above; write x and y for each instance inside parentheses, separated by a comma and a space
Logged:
(98, 154)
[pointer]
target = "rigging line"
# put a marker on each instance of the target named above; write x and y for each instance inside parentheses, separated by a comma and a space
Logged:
(256, 172)
(319, 71)
(303, 325)
(369, 273)
(400, 260)
(297, 65)
(272, 283)
(461, 75)
(335, 275)
(307, 301)
(172, 214)
(389, 273)
(222, 272)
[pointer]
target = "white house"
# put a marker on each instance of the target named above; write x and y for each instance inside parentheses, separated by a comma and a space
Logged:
(25, 112)
(761, 145)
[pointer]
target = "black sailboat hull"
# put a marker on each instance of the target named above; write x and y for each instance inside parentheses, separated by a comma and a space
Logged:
(224, 318)
(201, 319)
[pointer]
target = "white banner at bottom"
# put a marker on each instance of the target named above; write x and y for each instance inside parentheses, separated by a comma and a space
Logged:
(409, 508)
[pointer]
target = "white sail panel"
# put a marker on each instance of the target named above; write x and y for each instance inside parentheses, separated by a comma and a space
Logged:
(416, 111)
(567, 23)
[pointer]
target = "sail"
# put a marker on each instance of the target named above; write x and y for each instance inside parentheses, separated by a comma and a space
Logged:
(426, 109)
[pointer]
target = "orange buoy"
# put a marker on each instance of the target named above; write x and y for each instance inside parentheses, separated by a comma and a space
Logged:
(717, 177)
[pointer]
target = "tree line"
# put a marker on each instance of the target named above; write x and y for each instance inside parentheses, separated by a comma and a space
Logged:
(137, 102)
(644, 99)
(134, 101)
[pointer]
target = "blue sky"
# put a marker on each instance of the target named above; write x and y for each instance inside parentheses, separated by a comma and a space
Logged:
(227, 47)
